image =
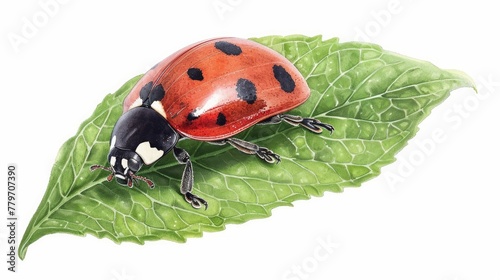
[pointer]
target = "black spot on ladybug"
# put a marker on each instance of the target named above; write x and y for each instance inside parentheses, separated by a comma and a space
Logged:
(157, 93)
(284, 78)
(193, 115)
(145, 90)
(149, 94)
(228, 48)
(195, 74)
(221, 119)
(246, 90)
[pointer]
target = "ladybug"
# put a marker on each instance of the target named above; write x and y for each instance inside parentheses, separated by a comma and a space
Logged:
(208, 91)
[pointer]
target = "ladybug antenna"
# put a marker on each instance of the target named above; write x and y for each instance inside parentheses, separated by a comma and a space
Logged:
(130, 175)
(148, 181)
(97, 166)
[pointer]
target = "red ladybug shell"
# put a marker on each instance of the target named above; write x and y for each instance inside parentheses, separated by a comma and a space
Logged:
(217, 88)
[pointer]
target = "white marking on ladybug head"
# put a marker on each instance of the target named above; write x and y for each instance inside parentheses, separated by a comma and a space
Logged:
(158, 107)
(113, 142)
(125, 163)
(112, 161)
(147, 153)
(138, 102)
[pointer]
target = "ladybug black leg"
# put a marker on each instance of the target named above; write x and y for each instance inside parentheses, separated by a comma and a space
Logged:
(313, 125)
(187, 179)
(251, 149)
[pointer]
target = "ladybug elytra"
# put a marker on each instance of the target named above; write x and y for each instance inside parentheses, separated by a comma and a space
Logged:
(208, 91)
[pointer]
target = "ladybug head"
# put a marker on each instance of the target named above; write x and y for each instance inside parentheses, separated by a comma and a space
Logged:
(124, 165)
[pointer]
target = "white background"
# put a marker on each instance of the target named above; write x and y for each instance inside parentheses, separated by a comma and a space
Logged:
(439, 221)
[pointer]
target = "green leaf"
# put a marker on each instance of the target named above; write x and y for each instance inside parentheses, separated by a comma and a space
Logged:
(374, 98)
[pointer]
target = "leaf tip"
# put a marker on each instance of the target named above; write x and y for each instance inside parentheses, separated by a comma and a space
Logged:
(21, 252)
(466, 80)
